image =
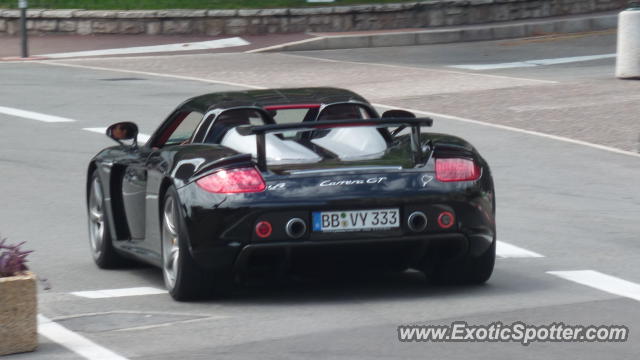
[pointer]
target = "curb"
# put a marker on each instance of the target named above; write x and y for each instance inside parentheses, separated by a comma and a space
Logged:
(494, 31)
(17, 58)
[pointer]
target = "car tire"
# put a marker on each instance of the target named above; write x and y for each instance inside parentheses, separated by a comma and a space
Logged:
(466, 270)
(100, 242)
(184, 279)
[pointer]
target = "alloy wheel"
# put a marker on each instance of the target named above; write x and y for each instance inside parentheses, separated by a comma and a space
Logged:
(96, 218)
(170, 244)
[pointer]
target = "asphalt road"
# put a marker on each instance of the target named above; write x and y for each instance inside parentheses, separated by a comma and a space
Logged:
(566, 187)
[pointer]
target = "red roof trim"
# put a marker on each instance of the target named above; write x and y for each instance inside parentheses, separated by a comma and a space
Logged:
(292, 106)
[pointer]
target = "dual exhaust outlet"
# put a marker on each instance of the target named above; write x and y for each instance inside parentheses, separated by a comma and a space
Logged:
(416, 222)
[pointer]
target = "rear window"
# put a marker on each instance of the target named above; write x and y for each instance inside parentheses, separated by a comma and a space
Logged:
(288, 116)
(335, 147)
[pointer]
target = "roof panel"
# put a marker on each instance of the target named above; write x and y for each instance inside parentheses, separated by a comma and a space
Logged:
(266, 97)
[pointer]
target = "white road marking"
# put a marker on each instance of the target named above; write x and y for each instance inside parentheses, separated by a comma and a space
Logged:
(154, 326)
(279, 46)
(429, 69)
(142, 138)
(111, 293)
(533, 63)
(74, 342)
(505, 250)
(483, 67)
(203, 45)
(427, 113)
(514, 129)
(600, 281)
(180, 77)
(10, 60)
(32, 115)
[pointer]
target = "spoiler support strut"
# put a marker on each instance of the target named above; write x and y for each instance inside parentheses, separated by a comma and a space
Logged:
(416, 149)
(261, 151)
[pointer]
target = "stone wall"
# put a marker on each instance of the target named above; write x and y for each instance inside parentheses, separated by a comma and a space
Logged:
(420, 14)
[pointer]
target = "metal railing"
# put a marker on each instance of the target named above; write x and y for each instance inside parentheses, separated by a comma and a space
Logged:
(115, 4)
(163, 4)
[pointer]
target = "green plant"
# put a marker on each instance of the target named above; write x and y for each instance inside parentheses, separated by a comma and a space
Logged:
(13, 260)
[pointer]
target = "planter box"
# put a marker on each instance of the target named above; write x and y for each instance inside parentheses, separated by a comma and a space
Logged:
(18, 314)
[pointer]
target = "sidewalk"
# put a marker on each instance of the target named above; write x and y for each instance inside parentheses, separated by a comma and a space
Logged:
(55, 44)
(51, 44)
(441, 35)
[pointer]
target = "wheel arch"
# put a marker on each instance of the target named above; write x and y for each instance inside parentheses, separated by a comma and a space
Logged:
(164, 186)
(116, 204)
(118, 228)
(90, 169)
(166, 183)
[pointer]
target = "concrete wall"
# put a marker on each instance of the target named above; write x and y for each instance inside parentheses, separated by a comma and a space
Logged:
(420, 14)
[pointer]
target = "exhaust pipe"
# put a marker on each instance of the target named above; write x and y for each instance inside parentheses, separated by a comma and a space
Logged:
(417, 221)
(296, 228)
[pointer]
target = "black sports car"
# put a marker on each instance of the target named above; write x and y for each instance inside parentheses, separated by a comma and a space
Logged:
(266, 181)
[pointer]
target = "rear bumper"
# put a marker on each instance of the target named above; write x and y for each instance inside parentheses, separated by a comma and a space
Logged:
(393, 252)
(223, 236)
(329, 255)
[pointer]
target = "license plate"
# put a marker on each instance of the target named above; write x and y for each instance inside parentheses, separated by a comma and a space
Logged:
(356, 220)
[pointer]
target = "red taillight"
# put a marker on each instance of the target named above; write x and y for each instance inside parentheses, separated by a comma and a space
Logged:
(457, 169)
(263, 229)
(243, 180)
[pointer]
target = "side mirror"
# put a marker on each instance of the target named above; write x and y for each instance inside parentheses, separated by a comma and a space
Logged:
(398, 114)
(123, 131)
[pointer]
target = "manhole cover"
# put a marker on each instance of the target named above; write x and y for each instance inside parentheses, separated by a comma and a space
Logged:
(120, 320)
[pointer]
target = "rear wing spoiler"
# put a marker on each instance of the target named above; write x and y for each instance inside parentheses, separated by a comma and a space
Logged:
(261, 130)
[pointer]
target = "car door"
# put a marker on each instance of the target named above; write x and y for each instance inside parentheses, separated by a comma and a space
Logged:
(182, 125)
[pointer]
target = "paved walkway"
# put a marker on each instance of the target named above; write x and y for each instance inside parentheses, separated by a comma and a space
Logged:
(50, 44)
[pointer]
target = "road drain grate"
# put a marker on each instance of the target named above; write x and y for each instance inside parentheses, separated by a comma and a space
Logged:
(120, 320)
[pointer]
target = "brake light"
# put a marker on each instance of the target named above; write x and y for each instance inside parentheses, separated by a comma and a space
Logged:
(231, 181)
(263, 229)
(445, 220)
(457, 169)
